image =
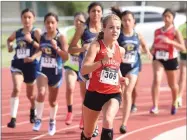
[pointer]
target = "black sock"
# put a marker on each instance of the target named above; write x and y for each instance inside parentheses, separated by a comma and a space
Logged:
(69, 108)
(107, 134)
(83, 137)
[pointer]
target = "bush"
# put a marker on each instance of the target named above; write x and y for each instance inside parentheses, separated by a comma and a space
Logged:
(69, 8)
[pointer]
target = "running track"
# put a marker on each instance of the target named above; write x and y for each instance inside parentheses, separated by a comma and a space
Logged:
(141, 125)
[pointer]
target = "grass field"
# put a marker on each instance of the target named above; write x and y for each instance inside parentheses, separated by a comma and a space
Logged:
(6, 57)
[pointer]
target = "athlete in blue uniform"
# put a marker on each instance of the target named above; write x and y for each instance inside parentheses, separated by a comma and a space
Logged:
(131, 63)
(53, 52)
(24, 64)
(87, 33)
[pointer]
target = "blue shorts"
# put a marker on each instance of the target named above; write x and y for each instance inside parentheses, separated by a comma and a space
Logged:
(54, 80)
(83, 78)
(29, 70)
(133, 69)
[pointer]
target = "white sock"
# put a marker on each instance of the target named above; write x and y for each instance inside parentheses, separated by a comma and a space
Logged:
(53, 112)
(14, 102)
(39, 109)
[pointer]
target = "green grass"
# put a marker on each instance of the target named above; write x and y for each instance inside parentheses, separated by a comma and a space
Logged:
(145, 59)
(3, 39)
(6, 57)
(70, 34)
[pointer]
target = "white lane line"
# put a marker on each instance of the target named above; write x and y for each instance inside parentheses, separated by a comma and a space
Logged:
(63, 129)
(22, 103)
(45, 118)
(25, 112)
(25, 122)
(150, 126)
(75, 126)
(174, 134)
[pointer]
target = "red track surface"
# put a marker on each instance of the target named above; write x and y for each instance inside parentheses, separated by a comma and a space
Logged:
(141, 125)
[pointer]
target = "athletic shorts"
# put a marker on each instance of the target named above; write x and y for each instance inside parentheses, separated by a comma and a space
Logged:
(95, 101)
(54, 80)
(77, 72)
(183, 56)
(72, 63)
(29, 70)
(171, 64)
(83, 78)
(133, 69)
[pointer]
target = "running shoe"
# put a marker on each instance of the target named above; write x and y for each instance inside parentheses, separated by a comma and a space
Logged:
(52, 127)
(12, 123)
(179, 101)
(154, 110)
(123, 129)
(96, 132)
(69, 118)
(173, 110)
(133, 108)
(37, 125)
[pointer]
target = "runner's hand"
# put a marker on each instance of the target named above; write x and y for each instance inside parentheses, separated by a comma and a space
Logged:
(107, 57)
(28, 60)
(10, 47)
(54, 44)
(28, 37)
(124, 81)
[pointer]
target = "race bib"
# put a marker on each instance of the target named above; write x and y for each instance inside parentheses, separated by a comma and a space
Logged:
(130, 57)
(74, 60)
(23, 53)
(48, 62)
(162, 55)
(109, 76)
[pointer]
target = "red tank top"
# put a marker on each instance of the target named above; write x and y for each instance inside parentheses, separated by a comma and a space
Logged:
(164, 50)
(105, 80)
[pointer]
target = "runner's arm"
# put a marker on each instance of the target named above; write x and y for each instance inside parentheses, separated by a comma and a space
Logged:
(89, 65)
(10, 40)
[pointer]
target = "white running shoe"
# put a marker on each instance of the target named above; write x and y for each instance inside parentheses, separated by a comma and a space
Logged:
(37, 125)
(154, 110)
(179, 101)
(96, 131)
(52, 127)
